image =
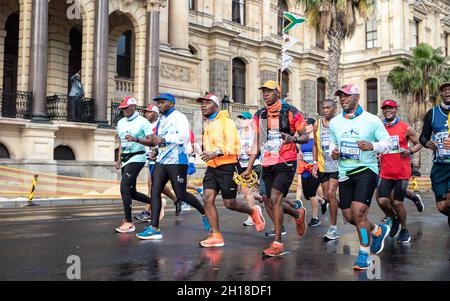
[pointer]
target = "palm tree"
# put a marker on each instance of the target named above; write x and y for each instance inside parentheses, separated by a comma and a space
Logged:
(420, 77)
(336, 19)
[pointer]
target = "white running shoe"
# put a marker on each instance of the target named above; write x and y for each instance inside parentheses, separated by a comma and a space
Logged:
(249, 221)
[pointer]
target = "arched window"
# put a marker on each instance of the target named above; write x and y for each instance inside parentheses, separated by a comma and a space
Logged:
(284, 84)
(372, 96)
(282, 7)
(124, 55)
(238, 11)
(63, 152)
(321, 86)
(10, 59)
(238, 81)
(4, 153)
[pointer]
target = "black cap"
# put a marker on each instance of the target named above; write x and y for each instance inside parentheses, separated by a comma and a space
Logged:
(310, 120)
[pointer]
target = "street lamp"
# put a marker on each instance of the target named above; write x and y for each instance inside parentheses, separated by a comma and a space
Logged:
(225, 103)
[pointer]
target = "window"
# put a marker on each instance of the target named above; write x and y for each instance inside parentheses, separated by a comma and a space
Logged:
(372, 96)
(238, 11)
(321, 85)
(282, 7)
(446, 42)
(192, 50)
(371, 33)
(284, 84)
(320, 39)
(238, 81)
(415, 34)
(124, 55)
(192, 4)
(4, 154)
(63, 153)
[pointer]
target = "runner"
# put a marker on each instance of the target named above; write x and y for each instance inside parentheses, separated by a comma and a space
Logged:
(275, 127)
(326, 168)
(356, 137)
(133, 130)
(246, 137)
(151, 113)
(191, 151)
(435, 136)
(305, 168)
(221, 147)
(172, 135)
(396, 170)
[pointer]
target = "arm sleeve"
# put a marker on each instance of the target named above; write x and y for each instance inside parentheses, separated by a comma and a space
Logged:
(182, 131)
(425, 135)
(383, 139)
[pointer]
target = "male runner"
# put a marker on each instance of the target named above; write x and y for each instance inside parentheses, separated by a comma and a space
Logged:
(356, 137)
(396, 169)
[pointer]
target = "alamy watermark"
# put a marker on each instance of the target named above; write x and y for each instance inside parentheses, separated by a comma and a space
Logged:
(73, 272)
(74, 10)
(374, 271)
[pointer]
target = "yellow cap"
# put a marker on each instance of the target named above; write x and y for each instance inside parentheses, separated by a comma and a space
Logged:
(272, 85)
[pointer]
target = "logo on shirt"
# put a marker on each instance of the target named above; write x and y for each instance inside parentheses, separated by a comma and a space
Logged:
(351, 133)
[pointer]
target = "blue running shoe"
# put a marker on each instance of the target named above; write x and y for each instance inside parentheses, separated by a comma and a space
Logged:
(363, 262)
(378, 241)
(206, 223)
(150, 233)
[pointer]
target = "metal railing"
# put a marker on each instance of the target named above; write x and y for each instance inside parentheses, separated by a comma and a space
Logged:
(16, 104)
(116, 113)
(65, 108)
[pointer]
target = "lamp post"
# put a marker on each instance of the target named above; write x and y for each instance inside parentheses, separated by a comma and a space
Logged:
(226, 103)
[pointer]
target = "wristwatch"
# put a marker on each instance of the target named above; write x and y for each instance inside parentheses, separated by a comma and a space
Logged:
(219, 153)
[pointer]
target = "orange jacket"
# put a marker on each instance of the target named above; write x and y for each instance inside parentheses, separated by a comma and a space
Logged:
(221, 134)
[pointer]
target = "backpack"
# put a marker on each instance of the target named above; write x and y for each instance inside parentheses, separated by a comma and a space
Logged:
(284, 118)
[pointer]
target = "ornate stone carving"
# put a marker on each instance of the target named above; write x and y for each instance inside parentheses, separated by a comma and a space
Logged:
(155, 4)
(177, 73)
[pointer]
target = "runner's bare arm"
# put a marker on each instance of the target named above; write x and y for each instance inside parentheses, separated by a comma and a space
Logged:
(118, 162)
(414, 138)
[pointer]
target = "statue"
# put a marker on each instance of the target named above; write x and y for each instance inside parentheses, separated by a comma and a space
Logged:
(75, 96)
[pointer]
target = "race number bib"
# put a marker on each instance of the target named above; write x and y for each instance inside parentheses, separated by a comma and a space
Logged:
(274, 142)
(395, 142)
(442, 154)
(325, 141)
(350, 152)
(308, 157)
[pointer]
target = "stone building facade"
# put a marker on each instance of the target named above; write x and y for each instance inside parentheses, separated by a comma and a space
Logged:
(228, 47)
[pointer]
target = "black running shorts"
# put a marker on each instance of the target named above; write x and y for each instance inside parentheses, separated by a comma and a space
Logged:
(309, 186)
(358, 187)
(326, 176)
(221, 179)
(279, 176)
(399, 186)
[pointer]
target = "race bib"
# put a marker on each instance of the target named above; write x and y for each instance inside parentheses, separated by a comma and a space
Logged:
(125, 145)
(274, 142)
(325, 141)
(442, 153)
(308, 157)
(395, 142)
(350, 152)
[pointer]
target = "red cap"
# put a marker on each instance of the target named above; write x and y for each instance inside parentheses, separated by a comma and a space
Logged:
(348, 89)
(151, 108)
(127, 101)
(211, 97)
(389, 103)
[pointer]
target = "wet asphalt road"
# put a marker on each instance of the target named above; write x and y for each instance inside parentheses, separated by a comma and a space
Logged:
(36, 242)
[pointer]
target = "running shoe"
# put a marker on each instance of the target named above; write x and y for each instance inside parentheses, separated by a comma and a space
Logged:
(144, 216)
(249, 221)
(378, 239)
(384, 219)
(178, 207)
(403, 237)
(300, 221)
(185, 207)
(363, 262)
(395, 228)
(258, 218)
(275, 249)
(124, 228)
(206, 224)
(388, 221)
(332, 234)
(418, 202)
(272, 232)
(214, 240)
(315, 221)
(150, 233)
(298, 204)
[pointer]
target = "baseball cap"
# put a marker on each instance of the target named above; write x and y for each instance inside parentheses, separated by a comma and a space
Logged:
(245, 115)
(165, 96)
(348, 89)
(151, 108)
(127, 101)
(310, 120)
(444, 85)
(211, 97)
(272, 85)
(389, 103)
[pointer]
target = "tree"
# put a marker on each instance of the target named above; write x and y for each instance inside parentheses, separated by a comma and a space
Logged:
(420, 77)
(336, 19)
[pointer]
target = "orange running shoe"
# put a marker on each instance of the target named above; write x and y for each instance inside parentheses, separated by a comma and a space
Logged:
(258, 218)
(301, 221)
(275, 249)
(215, 240)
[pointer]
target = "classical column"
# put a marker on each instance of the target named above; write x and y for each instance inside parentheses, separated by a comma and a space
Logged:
(38, 63)
(152, 50)
(100, 86)
(218, 11)
(179, 26)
